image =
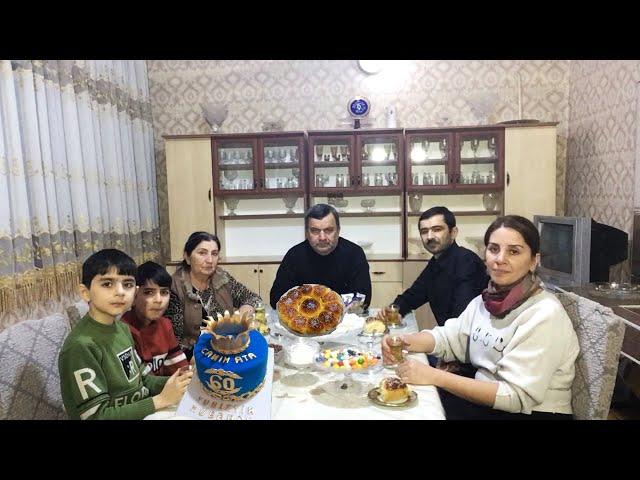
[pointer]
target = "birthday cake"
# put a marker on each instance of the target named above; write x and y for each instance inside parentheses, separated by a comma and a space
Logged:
(231, 358)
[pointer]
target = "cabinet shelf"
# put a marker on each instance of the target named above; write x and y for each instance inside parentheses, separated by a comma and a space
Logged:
(272, 166)
(261, 216)
(429, 162)
(454, 189)
(370, 214)
(468, 213)
(467, 161)
(330, 164)
(386, 163)
(239, 166)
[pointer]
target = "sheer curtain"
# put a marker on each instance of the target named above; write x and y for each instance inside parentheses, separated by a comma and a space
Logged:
(77, 174)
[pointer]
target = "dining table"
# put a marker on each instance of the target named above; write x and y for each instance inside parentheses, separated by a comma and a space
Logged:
(313, 393)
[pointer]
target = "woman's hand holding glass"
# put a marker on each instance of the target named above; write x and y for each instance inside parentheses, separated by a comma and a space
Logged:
(392, 346)
(416, 372)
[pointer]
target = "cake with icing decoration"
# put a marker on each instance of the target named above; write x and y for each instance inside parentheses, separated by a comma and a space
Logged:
(394, 390)
(231, 358)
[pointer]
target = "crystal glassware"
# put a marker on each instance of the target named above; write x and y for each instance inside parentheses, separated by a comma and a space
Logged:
(232, 204)
(368, 204)
(290, 202)
(415, 202)
(342, 204)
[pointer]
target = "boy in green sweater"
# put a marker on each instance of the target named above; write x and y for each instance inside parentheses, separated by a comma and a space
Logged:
(101, 375)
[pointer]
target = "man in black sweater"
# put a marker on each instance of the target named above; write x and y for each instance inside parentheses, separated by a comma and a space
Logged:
(324, 258)
(453, 276)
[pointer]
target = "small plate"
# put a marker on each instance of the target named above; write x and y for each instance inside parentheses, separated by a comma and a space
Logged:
(374, 396)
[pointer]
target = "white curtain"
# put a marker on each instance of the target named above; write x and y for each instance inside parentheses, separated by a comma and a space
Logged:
(77, 174)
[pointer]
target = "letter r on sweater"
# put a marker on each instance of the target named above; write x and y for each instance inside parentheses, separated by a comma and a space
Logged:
(82, 383)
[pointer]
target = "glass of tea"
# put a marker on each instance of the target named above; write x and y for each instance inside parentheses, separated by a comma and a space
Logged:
(396, 346)
(392, 315)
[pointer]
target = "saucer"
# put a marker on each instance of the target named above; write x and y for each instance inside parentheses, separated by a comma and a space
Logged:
(374, 396)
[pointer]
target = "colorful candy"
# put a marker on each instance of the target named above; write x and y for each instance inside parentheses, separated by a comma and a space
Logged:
(347, 359)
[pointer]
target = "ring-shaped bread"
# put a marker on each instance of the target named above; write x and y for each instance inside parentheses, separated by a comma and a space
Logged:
(310, 310)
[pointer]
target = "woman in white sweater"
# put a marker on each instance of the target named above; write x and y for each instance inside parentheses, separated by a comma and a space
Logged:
(515, 338)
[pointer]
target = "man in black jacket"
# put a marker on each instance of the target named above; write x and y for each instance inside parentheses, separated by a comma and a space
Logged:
(453, 276)
(324, 258)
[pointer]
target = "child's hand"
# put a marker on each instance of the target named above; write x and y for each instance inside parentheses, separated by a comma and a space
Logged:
(174, 389)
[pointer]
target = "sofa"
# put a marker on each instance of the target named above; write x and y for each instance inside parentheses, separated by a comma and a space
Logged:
(29, 379)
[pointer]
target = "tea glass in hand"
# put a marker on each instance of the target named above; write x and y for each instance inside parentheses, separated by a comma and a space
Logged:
(395, 345)
(392, 316)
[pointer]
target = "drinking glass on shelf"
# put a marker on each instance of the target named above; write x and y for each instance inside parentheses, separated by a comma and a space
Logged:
(474, 145)
(290, 202)
(232, 204)
(492, 146)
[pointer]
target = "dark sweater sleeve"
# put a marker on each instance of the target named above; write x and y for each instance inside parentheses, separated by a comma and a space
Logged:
(415, 296)
(285, 280)
(360, 282)
(471, 279)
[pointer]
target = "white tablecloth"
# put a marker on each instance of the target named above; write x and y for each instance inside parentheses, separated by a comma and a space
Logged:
(315, 395)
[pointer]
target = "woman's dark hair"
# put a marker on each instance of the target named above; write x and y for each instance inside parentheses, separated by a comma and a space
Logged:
(101, 262)
(151, 271)
(522, 225)
(318, 212)
(193, 241)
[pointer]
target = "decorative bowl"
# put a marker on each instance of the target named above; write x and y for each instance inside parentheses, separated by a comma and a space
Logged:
(368, 204)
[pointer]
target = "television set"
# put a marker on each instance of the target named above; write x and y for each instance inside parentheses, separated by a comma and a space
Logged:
(575, 251)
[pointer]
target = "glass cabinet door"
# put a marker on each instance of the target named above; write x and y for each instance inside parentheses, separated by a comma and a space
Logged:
(380, 160)
(479, 155)
(235, 165)
(429, 160)
(331, 163)
(282, 164)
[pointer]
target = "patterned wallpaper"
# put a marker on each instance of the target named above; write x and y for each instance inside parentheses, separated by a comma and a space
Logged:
(601, 151)
(312, 94)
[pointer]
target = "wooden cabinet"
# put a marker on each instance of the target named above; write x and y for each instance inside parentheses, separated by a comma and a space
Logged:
(271, 164)
(386, 282)
(257, 277)
(530, 170)
(252, 189)
(189, 189)
(467, 159)
(360, 162)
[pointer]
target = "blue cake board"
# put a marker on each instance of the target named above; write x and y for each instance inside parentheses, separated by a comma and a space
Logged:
(196, 403)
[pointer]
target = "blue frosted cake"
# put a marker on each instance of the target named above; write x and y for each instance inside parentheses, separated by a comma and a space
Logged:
(231, 359)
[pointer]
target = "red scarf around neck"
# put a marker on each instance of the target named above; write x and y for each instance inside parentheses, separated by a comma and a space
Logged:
(500, 301)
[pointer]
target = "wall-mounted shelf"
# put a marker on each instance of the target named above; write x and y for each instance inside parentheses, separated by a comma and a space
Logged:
(472, 213)
(261, 216)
